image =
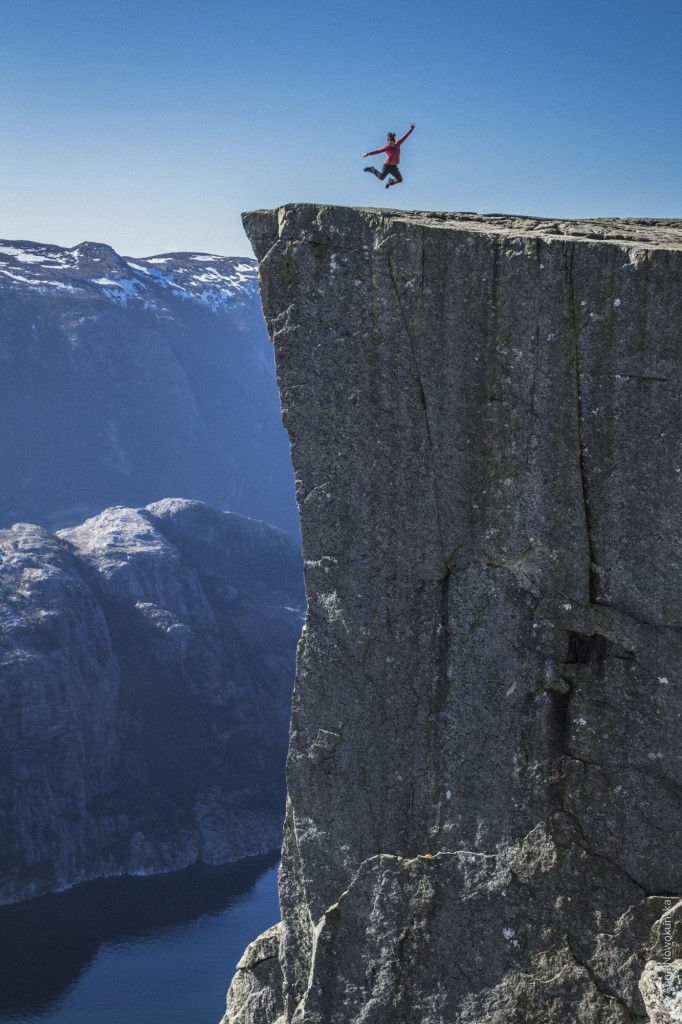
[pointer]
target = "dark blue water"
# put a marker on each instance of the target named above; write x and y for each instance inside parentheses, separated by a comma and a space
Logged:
(134, 950)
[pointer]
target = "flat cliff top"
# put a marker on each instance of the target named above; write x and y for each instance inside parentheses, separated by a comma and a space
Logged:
(644, 232)
(647, 231)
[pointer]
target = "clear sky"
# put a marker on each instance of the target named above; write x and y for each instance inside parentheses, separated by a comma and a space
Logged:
(151, 124)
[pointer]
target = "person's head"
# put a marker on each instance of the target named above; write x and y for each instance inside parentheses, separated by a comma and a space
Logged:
(391, 138)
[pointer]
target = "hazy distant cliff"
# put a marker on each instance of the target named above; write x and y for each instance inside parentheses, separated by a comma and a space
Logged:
(485, 771)
(125, 380)
(146, 665)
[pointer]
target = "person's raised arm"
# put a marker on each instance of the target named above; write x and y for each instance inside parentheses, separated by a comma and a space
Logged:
(408, 132)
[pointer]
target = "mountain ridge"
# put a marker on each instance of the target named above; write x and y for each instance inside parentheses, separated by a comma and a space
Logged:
(125, 380)
(225, 280)
(146, 658)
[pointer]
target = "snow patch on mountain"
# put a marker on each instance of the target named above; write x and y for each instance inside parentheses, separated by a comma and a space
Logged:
(218, 282)
(21, 256)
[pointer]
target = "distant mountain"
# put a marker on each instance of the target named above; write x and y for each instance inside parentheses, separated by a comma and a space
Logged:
(125, 380)
(146, 668)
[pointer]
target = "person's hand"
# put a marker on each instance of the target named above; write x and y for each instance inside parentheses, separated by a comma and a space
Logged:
(364, 155)
(413, 126)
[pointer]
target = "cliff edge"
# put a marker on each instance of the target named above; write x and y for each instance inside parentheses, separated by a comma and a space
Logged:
(484, 775)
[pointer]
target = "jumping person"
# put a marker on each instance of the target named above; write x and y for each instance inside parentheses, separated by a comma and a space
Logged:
(392, 150)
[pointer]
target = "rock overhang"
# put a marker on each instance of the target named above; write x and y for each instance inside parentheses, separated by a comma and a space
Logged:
(484, 415)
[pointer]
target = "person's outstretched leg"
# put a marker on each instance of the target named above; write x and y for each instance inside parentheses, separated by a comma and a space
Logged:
(374, 171)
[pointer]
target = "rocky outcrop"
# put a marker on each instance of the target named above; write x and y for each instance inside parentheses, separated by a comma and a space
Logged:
(485, 771)
(125, 380)
(146, 665)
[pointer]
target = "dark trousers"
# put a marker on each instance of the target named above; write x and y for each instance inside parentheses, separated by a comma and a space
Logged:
(392, 170)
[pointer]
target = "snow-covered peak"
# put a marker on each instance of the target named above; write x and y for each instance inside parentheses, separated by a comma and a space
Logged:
(215, 281)
(96, 270)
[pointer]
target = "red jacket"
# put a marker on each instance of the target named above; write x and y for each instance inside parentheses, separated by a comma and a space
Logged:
(393, 158)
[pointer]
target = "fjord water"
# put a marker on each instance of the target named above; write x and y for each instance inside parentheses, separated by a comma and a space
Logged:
(134, 949)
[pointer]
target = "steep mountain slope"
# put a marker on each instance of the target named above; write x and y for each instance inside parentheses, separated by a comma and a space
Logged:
(125, 380)
(485, 765)
(146, 666)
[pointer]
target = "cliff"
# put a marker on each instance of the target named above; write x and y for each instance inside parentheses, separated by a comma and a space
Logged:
(485, 769)
(125, 380)
(146, 665)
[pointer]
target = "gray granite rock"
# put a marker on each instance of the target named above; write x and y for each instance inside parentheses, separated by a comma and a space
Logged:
(661, 987)
(485, 763)
(146, 664)
(256, 992)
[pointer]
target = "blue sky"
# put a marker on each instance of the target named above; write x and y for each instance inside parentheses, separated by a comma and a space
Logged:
(151, 124)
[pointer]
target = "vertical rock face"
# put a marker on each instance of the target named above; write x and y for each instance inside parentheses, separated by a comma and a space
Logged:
(485, 768)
